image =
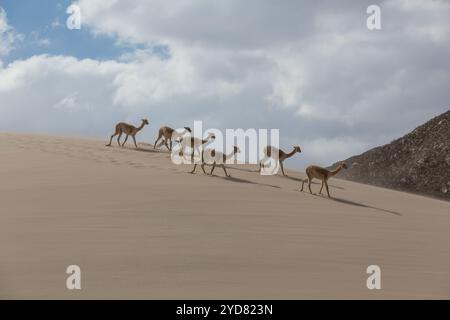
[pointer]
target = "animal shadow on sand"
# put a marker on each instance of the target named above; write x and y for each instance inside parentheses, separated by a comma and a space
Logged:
(240, 180)
(139, 149)
(244, 169)
(288, 177)
(356, 204)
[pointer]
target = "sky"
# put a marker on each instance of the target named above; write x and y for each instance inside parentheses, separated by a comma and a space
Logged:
(311, 69)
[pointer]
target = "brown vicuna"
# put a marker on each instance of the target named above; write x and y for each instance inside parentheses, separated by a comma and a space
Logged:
(271, 152)
(129, 130)
(224, 157)
(194, 144)
(321, 174)
(169, 134)
(216, 158)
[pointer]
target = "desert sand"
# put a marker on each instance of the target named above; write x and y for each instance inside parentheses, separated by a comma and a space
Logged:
(142, 227)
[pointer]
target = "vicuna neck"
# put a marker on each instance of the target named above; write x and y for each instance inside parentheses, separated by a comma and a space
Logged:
(141, 126)
(334, 172)
(228, 156)
(290, 154)
(207, 139)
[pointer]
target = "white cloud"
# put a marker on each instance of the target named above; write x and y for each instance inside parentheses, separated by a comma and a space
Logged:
(7, 34)
(36, 39)
(340, 147)
(56, 24)
(103, 92)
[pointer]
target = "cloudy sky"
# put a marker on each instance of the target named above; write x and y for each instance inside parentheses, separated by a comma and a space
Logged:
(310, 68)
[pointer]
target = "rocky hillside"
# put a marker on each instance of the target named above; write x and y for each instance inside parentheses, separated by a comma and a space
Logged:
(419, 162)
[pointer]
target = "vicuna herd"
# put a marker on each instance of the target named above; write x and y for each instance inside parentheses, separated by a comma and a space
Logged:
(168, 135)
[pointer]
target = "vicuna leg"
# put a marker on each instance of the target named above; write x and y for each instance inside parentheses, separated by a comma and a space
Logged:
(309, 185)
(134, 140)
(320, 192)
(167, 146)
(203, 168)
(126, 138)
(159, 137)
(195, 167)
(224, 170)
(110, 140)
(282, 169)
(214, 166)
(326, 186)
(118, 138)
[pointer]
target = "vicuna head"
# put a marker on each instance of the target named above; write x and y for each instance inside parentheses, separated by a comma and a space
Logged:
(145, 121)
(297, 149)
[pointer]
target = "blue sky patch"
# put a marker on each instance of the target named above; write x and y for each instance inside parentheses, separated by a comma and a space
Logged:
(43, 25)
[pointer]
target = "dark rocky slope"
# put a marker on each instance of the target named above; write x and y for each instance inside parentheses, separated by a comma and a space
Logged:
(419, 162)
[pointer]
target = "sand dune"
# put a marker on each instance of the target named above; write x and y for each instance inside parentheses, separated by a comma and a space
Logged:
(141, 227)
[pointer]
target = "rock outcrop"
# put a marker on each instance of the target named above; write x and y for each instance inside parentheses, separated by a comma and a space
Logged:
(419, 162)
